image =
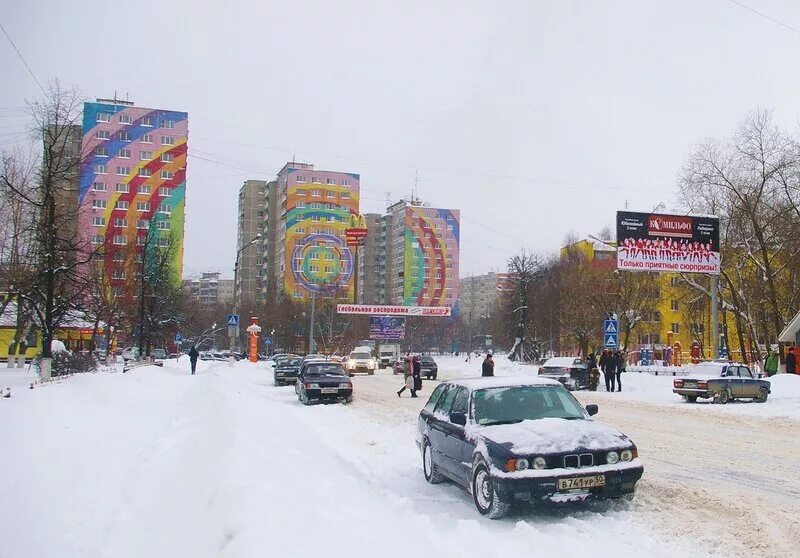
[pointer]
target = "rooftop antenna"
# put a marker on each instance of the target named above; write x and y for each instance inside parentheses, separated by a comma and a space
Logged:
(388, 199)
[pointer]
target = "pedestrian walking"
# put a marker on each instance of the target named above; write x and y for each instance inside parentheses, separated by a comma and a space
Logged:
(609, 365)
(771, 363)
(193, 354)
(416, 373)
(791, 361)
(408, 378)
(487, 368)
(620, 362)
(594, 373)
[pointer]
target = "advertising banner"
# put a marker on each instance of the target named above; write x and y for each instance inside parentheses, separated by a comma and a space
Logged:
(387, 327)
(669, 243)
(388, 310)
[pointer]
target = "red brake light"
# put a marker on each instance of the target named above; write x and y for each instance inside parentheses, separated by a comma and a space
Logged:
(702, 385)
(678, 383)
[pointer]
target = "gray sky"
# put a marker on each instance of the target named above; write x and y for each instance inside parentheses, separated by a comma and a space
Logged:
(534, 118)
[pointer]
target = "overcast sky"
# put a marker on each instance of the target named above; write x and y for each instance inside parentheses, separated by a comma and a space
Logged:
(535, 119)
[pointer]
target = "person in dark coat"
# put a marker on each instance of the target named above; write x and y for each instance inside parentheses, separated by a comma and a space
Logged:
(193, 354)
(620, 362)
(416, 372)
(609, 365)
(408, 378)
(791, 362)
(594, 373)
(487, 368)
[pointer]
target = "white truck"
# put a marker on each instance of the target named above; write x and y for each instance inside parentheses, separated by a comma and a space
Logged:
(388, 353)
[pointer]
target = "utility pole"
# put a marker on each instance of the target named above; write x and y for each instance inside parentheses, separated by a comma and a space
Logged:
(234, 334)
(311, 324)
(714, 316)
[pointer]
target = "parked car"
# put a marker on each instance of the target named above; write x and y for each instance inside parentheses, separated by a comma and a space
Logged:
(286, 371)
(428, 367)
(572, 372)
(314, 357)
(398, 367)
(323, 381)
(361, 360)
(522, 439)
(130, 353)
(206, 355)
(723, 382)
(159, 354)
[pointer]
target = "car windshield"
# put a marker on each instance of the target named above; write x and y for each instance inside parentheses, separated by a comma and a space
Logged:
(323, 369)
(426, 359)
(506, 405)
(359, 356)
(291, 362)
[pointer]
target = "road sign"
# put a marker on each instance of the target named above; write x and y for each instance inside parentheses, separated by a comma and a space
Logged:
(268, 340)
(610, 334)
(178, 338)
(233, 331)
(232, 320)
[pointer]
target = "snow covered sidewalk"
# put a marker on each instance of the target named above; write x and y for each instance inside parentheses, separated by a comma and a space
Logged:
(160, 463)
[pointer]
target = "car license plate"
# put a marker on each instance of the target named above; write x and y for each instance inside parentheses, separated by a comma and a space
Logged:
(574, 483)
(329, 390)
(690, 385)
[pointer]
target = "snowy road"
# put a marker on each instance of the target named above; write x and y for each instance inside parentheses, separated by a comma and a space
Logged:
(159, 463)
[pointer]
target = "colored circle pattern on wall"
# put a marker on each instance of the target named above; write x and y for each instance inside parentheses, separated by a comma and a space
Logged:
(316, 252)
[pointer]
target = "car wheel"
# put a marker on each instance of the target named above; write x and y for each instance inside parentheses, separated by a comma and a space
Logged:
(348, 399)
(763, 393)
(486, 500)
(304, 398)
(371, 372)
(429, 469)
(725, 396)
(691, 398)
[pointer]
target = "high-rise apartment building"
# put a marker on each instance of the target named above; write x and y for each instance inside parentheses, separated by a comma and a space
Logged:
(307, 212)
(132, 185)
(370, 267)
(251, 220)
(417, 256)
(480, 295)
(210, 289)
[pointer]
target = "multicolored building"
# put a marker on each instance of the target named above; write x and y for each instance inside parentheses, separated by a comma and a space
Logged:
(314, 209)
(132, 185)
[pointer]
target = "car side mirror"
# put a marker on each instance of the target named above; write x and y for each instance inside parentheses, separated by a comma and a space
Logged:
(592, 410)
(458, 418)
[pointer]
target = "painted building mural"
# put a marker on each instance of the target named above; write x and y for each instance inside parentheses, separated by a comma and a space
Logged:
(432, 239)
(133, 174)
(318, 209)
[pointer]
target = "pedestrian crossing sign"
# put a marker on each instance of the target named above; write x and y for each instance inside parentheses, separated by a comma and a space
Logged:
(610, 326)
(232, 320)
(611, 341)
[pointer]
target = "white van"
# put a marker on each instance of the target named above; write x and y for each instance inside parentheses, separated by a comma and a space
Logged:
(361, 360)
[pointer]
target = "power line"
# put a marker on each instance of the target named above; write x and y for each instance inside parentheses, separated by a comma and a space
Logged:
(765, 16)
(23, 59)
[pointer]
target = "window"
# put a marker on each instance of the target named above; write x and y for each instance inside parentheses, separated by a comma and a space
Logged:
(330, 194)
(120, 240)
(97, 239)
(167, 157)
(124, 136)
(697, 329)
(165, 208)
(147, 121)
(145, 172)
(141, 240)
(100, 169)
(99, 204)
(300, 205)
(122, 188)
(675, 327)
(345, 195)
(142, 206)
(121, 204)
(167, 140)
(142, 224)
(298, 294)
(446, 402)
(169, 124)
(166, 175)
(99, 221)
(101, 152)
(345, 182)
(120, 222)
(99, 186)
(461, 401)
(744, 372)
(674, 305)
(103, 117)
(316, 193)
(147, 138)
(301, 179)
(313, 268)
(163, 225)
(124, 119)
(330, 181)
(124, 153)
(315, 218)
(437, 393)
(300, 230)
(143, 189)
(145, 155)
(165, 191)
(102, 134)
(163, 242)
(123, 171)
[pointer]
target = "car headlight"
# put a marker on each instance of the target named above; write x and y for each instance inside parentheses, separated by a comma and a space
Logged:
(312, 386)
(539, 463)
(612, 457)
(626, 455)
(345, 386)
(372, 363)
(521, 464)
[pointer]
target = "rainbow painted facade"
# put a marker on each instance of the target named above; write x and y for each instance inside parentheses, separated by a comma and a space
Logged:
(431, 247)
(313, 253)
(133, 179)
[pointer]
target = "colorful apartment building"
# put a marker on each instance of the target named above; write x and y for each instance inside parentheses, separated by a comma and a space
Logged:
(132, 184)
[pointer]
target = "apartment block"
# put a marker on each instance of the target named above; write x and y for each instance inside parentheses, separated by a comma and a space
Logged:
(480, 294)
(249, 284)
(210, 289)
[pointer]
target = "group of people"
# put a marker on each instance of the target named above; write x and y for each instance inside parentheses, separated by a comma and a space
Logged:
(612, 364)
(772, 361)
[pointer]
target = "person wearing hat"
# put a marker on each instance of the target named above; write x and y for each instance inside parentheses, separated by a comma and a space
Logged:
(791, 361)
(771, 363)
(487, 368)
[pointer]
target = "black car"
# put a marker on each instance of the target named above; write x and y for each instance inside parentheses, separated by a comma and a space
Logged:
(428, 367)
(323, 381)
(522, 439)
(572, 372)
(286, 371)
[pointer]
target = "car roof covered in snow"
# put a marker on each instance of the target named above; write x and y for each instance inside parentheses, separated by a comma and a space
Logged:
(561, 361)
(503, 381)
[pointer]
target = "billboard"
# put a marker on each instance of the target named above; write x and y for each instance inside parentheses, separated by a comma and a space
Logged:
(670, 243)
(388, 310)
(387, 327)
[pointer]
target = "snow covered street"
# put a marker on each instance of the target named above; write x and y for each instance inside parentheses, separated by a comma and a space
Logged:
(159, 463)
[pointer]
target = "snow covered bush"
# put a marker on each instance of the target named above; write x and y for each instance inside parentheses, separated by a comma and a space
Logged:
(65, 363)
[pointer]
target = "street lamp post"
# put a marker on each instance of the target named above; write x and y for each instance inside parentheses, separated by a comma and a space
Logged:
(234, 336)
